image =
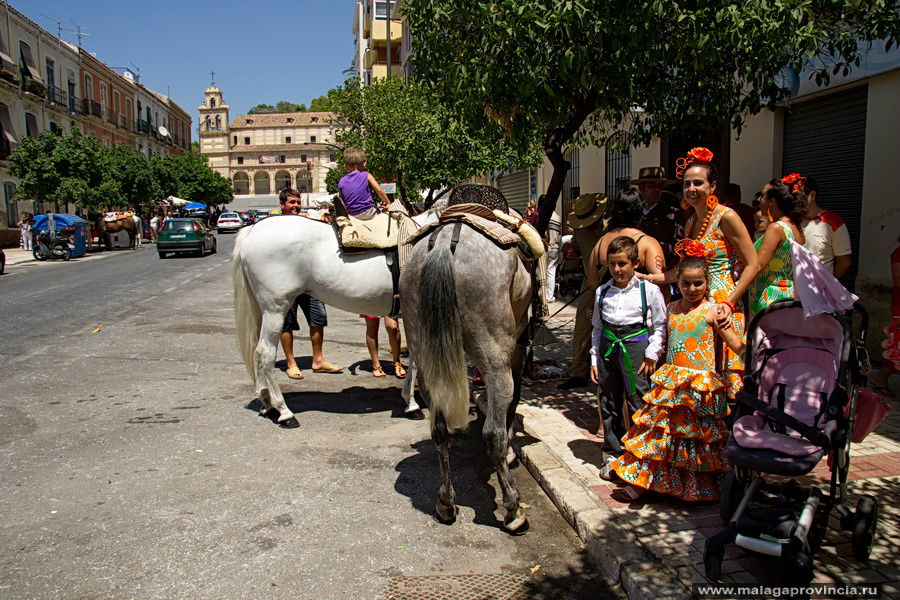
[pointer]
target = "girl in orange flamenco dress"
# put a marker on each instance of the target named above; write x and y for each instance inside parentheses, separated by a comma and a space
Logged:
(725, 239)
(677, 443)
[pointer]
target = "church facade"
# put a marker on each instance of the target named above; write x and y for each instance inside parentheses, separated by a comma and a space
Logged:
(267, 152)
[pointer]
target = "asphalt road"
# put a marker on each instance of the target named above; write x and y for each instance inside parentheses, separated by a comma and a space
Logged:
(134, 465)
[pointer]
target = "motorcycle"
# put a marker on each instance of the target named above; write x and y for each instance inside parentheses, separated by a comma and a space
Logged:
(49, 244)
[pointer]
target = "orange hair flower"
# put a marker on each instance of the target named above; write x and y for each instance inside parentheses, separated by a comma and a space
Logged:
(698, 154)
(796, 179)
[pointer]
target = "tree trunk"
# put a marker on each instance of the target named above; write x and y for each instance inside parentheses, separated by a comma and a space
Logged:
(403, 198)
(553, 145)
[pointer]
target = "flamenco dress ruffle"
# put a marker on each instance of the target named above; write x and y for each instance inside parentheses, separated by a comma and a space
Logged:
(676, 445)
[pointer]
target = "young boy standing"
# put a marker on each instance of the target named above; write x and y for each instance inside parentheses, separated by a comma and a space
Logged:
(628, 337)
(355, 187)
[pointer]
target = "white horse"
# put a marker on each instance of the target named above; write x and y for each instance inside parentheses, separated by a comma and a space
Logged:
(278, 259)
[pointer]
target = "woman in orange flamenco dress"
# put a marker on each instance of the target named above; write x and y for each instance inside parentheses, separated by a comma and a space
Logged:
(725, 238)
(677, 443)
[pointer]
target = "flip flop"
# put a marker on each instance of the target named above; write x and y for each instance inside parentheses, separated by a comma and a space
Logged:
(399, 370)
(294, 373)
(378, 372)
(330, 368)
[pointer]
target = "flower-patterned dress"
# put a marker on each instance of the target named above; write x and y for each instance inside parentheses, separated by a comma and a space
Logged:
(677, 443)
(722, 258)
(776, 279)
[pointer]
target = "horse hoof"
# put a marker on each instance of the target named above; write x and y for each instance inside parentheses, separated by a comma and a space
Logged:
(415, 415)
(516, 523)
(445, 514)
(290, 423)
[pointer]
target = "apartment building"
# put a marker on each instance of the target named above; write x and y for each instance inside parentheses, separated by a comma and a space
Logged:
(264, 153)
(49, 84)
(378, 37)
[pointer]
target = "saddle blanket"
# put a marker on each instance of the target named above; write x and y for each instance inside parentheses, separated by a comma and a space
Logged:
(381, 231)
(476, 215)
(112, 217)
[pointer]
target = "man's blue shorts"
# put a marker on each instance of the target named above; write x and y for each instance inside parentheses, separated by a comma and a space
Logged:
(313, 310)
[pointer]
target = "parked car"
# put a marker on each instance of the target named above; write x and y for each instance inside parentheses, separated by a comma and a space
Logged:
(185, 235)
(229, 221)
(247, 217)
(260, 213)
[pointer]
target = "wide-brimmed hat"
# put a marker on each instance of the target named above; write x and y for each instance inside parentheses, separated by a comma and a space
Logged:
(651, 175)
(586, 210)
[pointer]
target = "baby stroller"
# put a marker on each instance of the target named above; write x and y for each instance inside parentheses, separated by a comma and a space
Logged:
(797, 406)
(570, 272)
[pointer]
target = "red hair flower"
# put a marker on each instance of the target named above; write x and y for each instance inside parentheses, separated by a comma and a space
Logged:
(688, 247)
(796, 179)
(698, 154)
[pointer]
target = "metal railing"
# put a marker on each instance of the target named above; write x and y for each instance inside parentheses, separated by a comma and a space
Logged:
(58, 96)
(110, 116)
(89, 107)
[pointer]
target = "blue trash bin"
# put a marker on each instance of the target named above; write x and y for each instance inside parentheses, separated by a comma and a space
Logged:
(41, 222)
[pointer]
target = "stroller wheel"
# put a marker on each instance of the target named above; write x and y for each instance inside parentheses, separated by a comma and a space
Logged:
(865, 528)
(712, 562)
(730, 495)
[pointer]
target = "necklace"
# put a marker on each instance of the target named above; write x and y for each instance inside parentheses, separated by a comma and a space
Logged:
(694, 247)
(711, 203)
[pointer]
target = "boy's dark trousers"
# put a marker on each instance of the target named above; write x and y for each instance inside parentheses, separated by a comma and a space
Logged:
(615, 385)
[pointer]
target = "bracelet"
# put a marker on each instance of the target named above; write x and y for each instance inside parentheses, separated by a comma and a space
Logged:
(729, 305)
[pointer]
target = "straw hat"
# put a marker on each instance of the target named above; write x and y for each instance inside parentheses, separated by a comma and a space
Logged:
(586, 210)
(651, 175)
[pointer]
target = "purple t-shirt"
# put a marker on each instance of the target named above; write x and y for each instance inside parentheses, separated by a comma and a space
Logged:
(354, 187)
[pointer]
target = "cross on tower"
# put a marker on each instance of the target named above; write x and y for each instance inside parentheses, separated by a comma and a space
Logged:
(212, 77)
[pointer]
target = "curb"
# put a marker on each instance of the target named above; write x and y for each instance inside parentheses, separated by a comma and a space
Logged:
(622, 560)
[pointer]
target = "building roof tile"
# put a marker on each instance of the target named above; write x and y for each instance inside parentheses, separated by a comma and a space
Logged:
(298, 119)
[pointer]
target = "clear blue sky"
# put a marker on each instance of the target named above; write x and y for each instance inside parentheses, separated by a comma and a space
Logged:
(262, 52)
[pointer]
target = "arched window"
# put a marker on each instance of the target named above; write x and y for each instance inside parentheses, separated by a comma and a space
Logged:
(12, 208)
(218, 122)
(282, 180)
(212, 102)
(241, 183)
(261, 183)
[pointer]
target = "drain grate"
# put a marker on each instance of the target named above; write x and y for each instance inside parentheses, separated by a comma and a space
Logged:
(458, 587)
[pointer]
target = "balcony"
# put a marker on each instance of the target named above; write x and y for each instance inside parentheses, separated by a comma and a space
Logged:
(110, 117)
(57, 97)
(89, 107)
(35, 87)
(123, 122)
(379, 32)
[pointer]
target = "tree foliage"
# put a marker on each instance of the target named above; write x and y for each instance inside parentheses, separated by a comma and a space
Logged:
(282, 106)
(410, 136)
(59, 169)
(74, 168)
(579, 71)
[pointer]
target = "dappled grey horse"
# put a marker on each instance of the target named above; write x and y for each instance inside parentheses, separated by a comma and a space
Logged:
(470, 300)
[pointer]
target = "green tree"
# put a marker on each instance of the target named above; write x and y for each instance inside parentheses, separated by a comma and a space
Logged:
(322, 103)
(262, 108)
(411, 137)
(189, 177)
(332, 178)
(287, 107)
(580, 71)
(128, 179)
(59, 169)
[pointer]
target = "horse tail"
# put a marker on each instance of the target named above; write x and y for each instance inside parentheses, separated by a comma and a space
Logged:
(247, 315)
(441, 356)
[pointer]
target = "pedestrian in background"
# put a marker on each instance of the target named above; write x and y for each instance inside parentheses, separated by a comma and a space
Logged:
(25, 228)
(154, 227)
(554, 235)
(586, 220)
(826, 233)
(392, 327)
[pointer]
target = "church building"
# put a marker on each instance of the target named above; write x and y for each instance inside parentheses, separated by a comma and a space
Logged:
(266, 152)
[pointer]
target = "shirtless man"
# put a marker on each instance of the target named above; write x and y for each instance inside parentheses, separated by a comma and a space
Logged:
(313, 310)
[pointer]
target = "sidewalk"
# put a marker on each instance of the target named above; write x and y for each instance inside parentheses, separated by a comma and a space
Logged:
(17, 256)
(654, 548)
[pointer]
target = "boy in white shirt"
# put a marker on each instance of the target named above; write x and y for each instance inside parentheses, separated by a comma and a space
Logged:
(628, 338)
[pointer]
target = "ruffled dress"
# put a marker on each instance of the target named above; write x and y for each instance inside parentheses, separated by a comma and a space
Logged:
(722, 259)
(776, 279)
(677, 443)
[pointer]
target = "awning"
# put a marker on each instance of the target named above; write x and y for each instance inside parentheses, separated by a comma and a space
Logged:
(29, 62)
(7, 62)
(8, 131)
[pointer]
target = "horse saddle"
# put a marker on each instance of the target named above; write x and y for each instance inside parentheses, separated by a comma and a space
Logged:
(384, 230)
(113, 217)
(504, 230)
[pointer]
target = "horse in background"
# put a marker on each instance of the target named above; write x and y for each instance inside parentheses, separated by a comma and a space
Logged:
(470, 298)
(114, 222)
(279, 258)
